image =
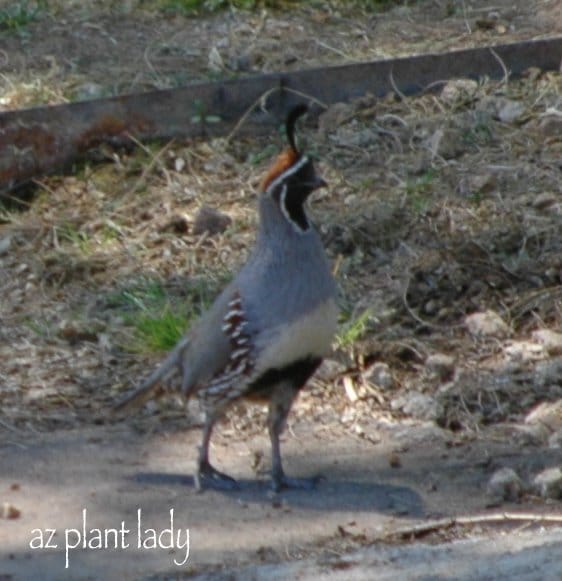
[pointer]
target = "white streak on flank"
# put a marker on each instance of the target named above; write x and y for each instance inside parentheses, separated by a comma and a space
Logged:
(239, 353)
(234, 313)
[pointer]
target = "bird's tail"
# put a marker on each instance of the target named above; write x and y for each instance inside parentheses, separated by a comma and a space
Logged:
(153, 385)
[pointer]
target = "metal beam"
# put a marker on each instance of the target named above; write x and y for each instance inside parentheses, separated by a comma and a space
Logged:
(42, 140)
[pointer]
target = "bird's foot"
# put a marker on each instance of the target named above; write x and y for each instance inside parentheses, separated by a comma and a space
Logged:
(280, 481)
(207, 475)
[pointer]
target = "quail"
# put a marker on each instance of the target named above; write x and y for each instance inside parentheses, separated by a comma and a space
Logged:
(267, 332)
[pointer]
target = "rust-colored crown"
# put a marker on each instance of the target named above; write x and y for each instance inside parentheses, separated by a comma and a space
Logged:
(289, 156)
(283, 162)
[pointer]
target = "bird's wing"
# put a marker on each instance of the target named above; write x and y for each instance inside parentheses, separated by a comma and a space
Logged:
(202, 354)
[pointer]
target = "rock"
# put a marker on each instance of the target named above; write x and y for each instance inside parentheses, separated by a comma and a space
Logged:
(211, 221)
(529, 435)
(336, 115)
(548, 372)
(441, 365)
(482, 183)
(179, 164)
(506, 110)
(215, 61)
(5, 244)
(379, 374)
(551, 340)
(179, 224)
(547, 414)
(505, 484)
(458, 89)
(447, 143)
(509, 111)
(486, 324)
(545, 201)
(548, 483)
(551, 126)
(524, 351)
(88, 91)
(418, 405)
(555, 440)
(240, 63)
(329, 370)
(9, 511)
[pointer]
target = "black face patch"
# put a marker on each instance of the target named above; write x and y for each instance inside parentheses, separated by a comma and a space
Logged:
(291, 190)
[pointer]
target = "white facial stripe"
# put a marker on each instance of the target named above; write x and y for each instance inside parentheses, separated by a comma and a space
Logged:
(287, 173)
(283, 206)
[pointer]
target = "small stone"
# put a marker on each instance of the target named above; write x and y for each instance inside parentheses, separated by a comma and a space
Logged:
(555, 440)
(211, 221)
(524, 351)
(380, 375)
(547, 372)
(329, 370)
(548, 414)
(505, 484)
(510, 111)
(548, 483)
(215, 61)
(551, 126)
(506, 110)
(5, 245)
(441, 365)
(421, 406)
(336, 115)
(447, 143)
(545, 200)
(179, 224)
(551, 340)
(482, 183)
(88, 91)
(179, 164)
(241, 63)
(9, 511)
(486, 324)
(457, 89)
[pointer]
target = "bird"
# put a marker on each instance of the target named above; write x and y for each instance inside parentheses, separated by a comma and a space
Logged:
(269, 329)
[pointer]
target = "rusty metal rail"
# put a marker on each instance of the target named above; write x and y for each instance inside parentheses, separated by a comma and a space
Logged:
(34, 142)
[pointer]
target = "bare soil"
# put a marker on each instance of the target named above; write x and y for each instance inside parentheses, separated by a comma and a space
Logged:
(439, 206)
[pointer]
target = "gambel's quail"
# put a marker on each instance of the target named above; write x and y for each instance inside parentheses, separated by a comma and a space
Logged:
(267, 332)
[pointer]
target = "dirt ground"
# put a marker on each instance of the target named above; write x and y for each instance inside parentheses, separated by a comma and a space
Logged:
(437, 423)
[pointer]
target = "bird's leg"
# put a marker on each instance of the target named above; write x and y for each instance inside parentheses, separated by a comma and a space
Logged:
(206, 473)
(279, 407)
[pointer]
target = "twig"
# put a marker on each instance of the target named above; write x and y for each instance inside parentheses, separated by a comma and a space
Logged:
(333, 49)
(261, 100)
(417, 318)
(423, 529)
(9, 427)
(465, 16)
(395, 86)
(154, 161)
(506, 72)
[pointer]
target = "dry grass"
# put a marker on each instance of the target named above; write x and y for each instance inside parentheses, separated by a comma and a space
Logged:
(437, 208)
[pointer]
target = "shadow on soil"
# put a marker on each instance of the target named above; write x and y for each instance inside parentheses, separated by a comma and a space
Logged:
(331, 495)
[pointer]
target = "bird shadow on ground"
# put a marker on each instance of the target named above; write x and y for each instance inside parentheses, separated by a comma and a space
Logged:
(328, 495)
